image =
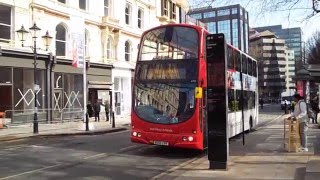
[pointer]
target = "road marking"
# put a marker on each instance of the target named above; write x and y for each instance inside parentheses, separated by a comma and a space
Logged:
(269, 122)
(129, 148)
(173, 169)
(29, 172)
(9, 148)
(97, 155)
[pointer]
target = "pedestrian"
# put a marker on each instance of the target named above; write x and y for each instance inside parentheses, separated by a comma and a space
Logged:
(89, 109)
(261, 103)
(286, 107)
(315, 108)
(300, 113)
(97, 111)
(107, 109)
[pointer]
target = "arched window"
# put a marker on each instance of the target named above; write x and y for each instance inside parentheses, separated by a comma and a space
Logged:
(61, 34)
(140, 18)
(110, 48)
(128, 13)
(86, 43)
(127, 50)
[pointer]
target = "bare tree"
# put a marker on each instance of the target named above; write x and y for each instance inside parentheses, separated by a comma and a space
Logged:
(313, 49)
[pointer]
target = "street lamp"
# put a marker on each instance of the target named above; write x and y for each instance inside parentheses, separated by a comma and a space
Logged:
(22, 34)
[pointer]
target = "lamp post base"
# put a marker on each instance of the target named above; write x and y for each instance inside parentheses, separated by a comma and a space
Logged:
(35, 124)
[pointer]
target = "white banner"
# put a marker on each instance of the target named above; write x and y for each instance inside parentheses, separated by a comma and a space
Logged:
(76, 46)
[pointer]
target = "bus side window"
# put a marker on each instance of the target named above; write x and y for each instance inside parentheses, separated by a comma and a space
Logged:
(232, 106)
(238, 100)
(238, 60)
(249, 66)
(230, 58)
(254, 68)
(244, 64)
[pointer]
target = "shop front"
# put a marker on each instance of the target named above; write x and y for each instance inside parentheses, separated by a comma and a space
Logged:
(18, 93)
(56, 87)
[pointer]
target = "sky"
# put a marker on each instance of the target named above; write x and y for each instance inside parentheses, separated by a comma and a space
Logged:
(266, 14)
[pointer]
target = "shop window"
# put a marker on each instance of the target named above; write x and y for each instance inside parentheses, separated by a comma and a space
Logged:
(5, 75)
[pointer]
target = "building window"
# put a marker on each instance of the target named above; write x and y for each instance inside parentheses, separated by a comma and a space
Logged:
(209, 14)
(140, 18)
(165, 9)
(127, 51)
(107, 7)
(110, 48)
(83, 4)
(224, 27)
(234, 10)
(212, 27)
(5, 23)
(62, 1)
(172, 10)
(235, 36)
(128, 14)
(223, 12)
(86, 43)
(61, 35)
(196, 16)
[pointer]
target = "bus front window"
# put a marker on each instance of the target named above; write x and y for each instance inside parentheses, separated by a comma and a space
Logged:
(164, 103)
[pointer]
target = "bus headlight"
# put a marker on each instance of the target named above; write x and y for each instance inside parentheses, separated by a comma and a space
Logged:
(134, 133)
(139, 134)
(184, 138)
(190, 138)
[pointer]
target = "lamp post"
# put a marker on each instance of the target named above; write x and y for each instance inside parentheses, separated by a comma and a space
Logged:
(22, 34)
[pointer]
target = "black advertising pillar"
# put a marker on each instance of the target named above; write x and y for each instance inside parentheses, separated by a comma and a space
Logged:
(217, 96)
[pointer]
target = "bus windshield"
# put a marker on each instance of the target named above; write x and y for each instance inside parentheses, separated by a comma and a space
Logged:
(169, 42)
(164, 103)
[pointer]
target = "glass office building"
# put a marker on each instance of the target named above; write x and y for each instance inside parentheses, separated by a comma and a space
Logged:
(233, 21)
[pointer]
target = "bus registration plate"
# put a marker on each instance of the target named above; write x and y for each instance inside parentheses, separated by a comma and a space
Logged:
(162, 143)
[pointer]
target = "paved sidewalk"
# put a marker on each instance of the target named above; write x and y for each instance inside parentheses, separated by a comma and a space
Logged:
(14, 132)
(263, 157)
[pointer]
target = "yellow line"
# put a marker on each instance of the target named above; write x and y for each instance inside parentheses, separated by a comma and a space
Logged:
(29, 172)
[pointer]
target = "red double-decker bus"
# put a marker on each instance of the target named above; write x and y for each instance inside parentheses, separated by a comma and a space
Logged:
(168, 105)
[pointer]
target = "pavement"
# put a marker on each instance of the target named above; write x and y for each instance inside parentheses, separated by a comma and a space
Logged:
(21, 131)
(263, 157)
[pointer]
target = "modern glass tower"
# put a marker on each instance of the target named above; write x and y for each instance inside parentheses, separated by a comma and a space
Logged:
(232, 20)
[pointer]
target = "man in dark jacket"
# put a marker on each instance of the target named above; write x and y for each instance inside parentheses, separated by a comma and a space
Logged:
(96, 111)
(107, 109)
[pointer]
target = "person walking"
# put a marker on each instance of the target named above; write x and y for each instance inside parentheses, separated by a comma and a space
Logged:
(300, 114)
(261, 103)
(107, 109)
(315, 108)
(97, 111)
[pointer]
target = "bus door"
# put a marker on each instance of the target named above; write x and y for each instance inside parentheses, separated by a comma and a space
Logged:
(204, 118)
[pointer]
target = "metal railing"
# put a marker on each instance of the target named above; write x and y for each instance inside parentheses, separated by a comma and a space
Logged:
(27, 115)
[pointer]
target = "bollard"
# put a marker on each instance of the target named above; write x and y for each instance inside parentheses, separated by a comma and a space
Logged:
(113, 121)
(87, 122)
